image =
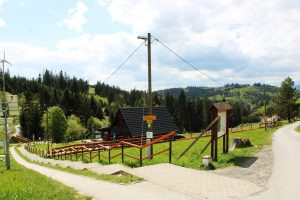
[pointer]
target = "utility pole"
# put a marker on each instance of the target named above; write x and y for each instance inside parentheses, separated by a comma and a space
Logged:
(5, 107)
(149, 75)
(149, 118)
(48, 149)
(265, 107)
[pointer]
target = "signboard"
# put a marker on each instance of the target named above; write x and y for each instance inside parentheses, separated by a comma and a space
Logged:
(149, 135)
(149, 118)
(265, 119)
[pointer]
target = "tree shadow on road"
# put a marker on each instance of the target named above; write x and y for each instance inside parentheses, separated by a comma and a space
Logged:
(243, 161)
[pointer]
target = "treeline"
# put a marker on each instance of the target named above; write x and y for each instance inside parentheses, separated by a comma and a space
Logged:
(36, 95)
(72, 96)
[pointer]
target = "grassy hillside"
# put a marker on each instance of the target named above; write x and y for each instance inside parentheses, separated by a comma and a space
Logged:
(252, 95)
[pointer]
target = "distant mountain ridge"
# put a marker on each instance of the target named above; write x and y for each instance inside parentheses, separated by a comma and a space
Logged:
(228, 91)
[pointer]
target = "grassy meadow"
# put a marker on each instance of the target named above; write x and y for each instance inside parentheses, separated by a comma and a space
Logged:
(192, 159)
(22, 183)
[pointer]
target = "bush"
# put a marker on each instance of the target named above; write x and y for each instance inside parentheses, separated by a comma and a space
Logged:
(75, 129)
(94, 123)
(57, 123)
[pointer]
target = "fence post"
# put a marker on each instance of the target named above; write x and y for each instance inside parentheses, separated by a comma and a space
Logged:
(109, 156)
(90, 156)
(98, 154)
(170, 150)
(70, 154)
(82, 154)
(141, 157)
(122, 153)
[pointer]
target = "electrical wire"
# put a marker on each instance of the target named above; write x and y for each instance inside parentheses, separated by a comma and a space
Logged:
(185, 61)
(119, 67)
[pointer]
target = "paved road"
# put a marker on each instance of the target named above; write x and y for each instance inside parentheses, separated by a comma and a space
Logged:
(106, 190)
(284, 182)
(166, 180)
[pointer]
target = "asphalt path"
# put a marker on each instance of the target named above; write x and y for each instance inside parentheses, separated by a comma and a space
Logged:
(284, 182)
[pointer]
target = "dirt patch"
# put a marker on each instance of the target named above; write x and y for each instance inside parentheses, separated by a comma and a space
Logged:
(257, 169)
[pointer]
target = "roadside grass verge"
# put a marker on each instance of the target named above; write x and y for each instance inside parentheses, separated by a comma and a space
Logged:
(22, 183)
(193, 158)
(121, 179)
(44, 146)
(298, 129)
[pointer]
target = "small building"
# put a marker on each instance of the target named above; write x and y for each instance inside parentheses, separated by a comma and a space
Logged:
(129, 123)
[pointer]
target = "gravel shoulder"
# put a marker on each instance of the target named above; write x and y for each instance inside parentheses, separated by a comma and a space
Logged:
(256, 170)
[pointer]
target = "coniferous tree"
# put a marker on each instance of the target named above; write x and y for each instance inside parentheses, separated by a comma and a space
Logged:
(286, 99)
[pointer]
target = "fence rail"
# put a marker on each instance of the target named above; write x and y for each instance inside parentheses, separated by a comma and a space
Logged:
(96, 149)
(86, 150)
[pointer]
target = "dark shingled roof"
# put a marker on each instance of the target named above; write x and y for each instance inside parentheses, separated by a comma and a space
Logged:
(223, 106)
(134, 120)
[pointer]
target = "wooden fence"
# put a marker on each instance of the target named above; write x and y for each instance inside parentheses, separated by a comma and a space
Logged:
(80, 150)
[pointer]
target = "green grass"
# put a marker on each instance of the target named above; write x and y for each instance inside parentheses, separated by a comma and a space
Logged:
(44, 146)
(122, 178)
(22, 183)
(298, 129)
(192, 159)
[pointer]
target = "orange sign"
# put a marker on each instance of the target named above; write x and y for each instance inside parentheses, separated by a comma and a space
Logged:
(265, 119)
(149, 118)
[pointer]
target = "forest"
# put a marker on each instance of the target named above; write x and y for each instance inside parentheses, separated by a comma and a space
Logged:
(190, 110)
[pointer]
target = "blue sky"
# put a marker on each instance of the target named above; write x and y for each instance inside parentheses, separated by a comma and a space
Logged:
(231, 41)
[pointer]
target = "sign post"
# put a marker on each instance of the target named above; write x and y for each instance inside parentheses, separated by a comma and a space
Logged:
(149, 134)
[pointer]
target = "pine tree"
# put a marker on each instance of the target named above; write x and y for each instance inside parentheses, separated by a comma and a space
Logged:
(286, 99)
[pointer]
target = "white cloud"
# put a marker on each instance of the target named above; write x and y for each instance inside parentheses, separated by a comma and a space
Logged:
(250, 34)
(231, 41)
(103, 2)
(2, 23)
(76, 17)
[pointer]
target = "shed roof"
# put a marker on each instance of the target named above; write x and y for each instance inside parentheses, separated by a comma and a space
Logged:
(133, 118)
(222, 106)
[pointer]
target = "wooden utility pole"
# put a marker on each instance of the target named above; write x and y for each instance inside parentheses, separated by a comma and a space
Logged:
(149, 76)
(149, 118)
(265, 107)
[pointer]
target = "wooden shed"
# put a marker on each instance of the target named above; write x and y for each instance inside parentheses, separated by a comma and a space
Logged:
(129, 123)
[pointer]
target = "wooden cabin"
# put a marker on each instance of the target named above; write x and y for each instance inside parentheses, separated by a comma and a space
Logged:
(129, 123)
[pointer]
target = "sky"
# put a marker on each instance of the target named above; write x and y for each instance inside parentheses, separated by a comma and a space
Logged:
(232, 41)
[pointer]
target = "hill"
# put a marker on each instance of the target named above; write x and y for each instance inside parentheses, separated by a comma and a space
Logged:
(252, 95)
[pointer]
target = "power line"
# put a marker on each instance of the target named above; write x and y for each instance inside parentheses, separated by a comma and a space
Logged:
(188, 63)
(119, 67)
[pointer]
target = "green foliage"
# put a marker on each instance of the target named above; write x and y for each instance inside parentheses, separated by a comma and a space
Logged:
(286, 101)
(57, 123)
(30, 116)
(94, 123)
(23, 183)
(75, 129)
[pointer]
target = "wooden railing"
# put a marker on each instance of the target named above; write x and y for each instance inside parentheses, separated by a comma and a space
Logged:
(37, 151)
(20, 139)
(96, 149)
